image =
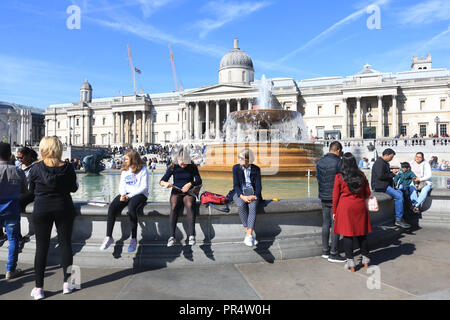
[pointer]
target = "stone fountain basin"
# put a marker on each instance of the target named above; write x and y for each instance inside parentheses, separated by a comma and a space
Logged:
(263, 115)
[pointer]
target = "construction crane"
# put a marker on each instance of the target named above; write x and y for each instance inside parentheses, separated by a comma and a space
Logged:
(174, 72)
(133, 75)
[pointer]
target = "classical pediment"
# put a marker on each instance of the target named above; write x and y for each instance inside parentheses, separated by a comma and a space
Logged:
(218, 89)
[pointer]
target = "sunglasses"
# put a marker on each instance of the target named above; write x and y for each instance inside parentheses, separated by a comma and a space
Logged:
(19, 158)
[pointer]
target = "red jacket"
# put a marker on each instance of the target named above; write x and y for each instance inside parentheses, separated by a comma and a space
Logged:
(351, 214)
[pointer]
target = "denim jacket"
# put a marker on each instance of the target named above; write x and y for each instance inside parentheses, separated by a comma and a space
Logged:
(12, 185)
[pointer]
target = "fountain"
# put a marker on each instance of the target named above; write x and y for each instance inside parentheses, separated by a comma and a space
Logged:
(277, 137)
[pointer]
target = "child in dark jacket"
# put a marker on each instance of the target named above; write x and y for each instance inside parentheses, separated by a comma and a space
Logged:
(404, 177)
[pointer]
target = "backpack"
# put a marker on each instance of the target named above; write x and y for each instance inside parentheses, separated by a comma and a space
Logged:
(210, 199)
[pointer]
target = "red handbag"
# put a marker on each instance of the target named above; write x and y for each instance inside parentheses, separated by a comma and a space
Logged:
(214, 198)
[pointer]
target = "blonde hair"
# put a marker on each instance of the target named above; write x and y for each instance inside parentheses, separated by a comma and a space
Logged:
(51, 150)
(136, 162)
(247, 154)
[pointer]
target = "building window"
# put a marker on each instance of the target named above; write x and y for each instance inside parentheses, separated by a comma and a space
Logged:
(59, 124)
(403, 130)
(352, 132)
(442, 129)
(319, 110)
(166, 136)
(423, 130)
(167, 117)
(243, 76)
(442, 104)
(369, 107)
(320, 132)
(93, 121)
(336, 109)
(386, 131)
(78, 122)
(422, 105)
(104, 121)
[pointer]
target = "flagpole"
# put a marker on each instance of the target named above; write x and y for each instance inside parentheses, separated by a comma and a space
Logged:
(133, 74)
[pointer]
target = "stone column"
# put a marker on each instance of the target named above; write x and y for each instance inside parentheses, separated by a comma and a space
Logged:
(150, 121)
(228, 107)
(197, 121)
(217, 126)
(143, 127)
(238, 104)
(358, 118)
(394, 116)
(345, 124)
(191, 122)
(250, 104)
(114, 127)
(134, 128)
(82, 130)
(207, 120)
(69, 134)
(380, 117)
(88, 129)
(122, 129)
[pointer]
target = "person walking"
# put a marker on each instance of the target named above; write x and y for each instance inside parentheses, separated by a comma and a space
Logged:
(52, 181)
(247, 188)
(12, 185)
(382, 181)
(186, 180)
(350, 191)
(133, 192)
(326, 170)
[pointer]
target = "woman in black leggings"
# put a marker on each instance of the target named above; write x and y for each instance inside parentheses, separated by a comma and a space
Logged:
(52, 181)
(185, 178)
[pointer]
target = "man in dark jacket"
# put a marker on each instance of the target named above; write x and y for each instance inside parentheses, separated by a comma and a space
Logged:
(326, 169)
(383, 181)
(12, 185)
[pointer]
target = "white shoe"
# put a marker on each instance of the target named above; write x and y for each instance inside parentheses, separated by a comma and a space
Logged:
(37, 293)
(248, 241)
(255, 242)
(106, 243)
(171, 242)
(66, 288)
(133, 245)
(191, 240)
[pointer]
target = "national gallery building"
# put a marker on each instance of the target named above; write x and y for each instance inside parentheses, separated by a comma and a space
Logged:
(369, 104)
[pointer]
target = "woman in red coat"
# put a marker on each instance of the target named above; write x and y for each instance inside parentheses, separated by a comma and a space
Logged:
(351, 189)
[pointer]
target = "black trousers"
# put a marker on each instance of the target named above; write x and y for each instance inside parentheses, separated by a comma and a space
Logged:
(363, 245)
(43, 224)
(135, 204)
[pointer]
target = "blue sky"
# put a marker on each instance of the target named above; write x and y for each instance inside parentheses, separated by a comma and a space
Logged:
(43, 62)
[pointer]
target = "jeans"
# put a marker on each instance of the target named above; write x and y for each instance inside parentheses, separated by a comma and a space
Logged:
(11, 223)
(327, 225)
(398, 201)
(418, 200)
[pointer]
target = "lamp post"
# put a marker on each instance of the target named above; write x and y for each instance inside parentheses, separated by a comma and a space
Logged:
(437, 125)
(109, 139)
(70, 136)
(369, 116)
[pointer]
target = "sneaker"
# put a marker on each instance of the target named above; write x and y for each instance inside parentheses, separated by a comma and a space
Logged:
(255, 242)
(66, 288)
(402, 224)
(106, 243)
(37, 293)
(336, 258)
(350, 265)
(133, 245)
(191, 240)
(365, 261)
(171, 242)
(325, 256)
(12, 274)
(248, 240)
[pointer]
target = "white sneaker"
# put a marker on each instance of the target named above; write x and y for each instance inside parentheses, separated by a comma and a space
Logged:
(106, 243)
(248, 241)
(37, 293)
(171, 242)
(133, 245)
(255, 242)
(66, 288)
(191, 240)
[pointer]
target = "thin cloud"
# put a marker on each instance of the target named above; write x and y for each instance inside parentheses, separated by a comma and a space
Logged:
(226, 12)
(350, 18)
(426, 12)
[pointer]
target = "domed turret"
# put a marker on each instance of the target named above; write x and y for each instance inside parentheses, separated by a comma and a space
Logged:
(86, 92)
(236, 67)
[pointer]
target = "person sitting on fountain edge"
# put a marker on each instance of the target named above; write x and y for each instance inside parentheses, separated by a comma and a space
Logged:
(247, 192)
(133, 189)
(326, 170)
(186, 181)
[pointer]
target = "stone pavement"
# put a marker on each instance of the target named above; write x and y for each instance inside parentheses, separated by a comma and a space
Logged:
(413, 265)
